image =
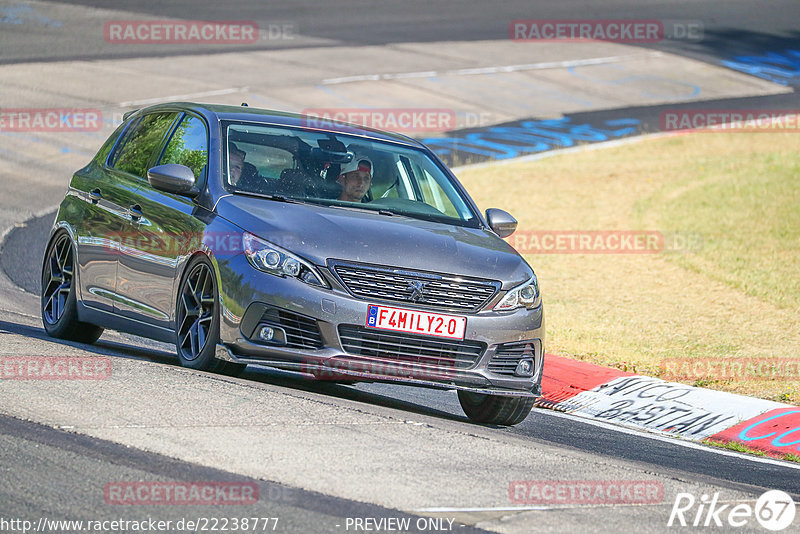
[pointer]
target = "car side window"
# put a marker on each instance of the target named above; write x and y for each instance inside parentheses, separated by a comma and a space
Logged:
(433, 193)
(140, 142)
(188, 146)
(102, 155)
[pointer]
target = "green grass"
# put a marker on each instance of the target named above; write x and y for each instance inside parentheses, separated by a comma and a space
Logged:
(739, 447)
(746, 209)
(733, 446)
(736, 295)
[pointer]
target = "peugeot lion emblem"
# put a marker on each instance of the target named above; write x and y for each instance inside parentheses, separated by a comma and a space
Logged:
(416, 288)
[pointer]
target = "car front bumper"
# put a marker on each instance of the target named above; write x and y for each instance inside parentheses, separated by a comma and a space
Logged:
(325, 316)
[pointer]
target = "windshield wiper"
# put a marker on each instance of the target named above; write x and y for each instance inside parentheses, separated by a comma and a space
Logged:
(361, 207)
(277, 198)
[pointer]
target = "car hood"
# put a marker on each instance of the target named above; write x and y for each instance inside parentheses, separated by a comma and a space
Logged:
(320, 233)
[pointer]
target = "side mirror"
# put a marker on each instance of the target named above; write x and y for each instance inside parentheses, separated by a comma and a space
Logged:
(173, 178)
(501, 222)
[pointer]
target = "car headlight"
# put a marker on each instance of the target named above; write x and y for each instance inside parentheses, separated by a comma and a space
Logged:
(523, 296)
(272, 259)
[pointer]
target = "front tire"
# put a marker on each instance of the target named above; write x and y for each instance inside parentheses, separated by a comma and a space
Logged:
(59, 301)
(495, 409)
(197, 321)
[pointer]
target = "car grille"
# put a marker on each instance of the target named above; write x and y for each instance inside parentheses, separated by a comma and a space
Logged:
(410, 348)
(508, 355)
(301, 332)
(371, 282)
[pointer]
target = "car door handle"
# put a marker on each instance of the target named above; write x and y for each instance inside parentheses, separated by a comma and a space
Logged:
(136, 212)
(95, 195)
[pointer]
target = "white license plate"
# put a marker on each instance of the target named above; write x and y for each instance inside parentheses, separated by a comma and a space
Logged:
(416, 322)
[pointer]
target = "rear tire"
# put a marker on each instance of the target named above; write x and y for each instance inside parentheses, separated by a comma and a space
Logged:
(197, 321)
(59, 303)
(495, 409)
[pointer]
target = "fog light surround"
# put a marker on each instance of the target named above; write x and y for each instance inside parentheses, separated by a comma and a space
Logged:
(266, 333)
(524, 368)
(269, 334)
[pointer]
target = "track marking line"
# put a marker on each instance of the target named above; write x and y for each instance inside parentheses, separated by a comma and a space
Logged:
(446, 509)
(492, 70)
(228, 91)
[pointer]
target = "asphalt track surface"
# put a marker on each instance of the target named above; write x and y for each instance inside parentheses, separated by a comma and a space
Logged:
(733, 27)
(44, 462)
(51, 456)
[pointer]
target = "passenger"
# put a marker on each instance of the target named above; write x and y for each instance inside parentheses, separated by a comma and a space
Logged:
(235, 164)
(355, 179)
(244, 175)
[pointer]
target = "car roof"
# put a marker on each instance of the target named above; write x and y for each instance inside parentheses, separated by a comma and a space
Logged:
(220, 112)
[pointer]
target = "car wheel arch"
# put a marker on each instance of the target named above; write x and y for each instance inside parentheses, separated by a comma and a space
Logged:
(68, 323)
(184, 271)
(59, 228)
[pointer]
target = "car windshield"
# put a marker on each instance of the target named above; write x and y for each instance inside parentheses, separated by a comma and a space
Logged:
(342, 171)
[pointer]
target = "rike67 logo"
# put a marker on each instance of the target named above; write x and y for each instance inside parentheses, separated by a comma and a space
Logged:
(774, 510)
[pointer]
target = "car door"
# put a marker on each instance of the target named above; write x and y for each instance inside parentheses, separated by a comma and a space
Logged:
(107, 193)
(127, 170)
(166, 226)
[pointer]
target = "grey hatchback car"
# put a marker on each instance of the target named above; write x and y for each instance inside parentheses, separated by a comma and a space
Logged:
(248, 236)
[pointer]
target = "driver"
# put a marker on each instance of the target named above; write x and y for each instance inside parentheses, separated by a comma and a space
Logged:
(236, 164)
(355, 179)
(244, 175)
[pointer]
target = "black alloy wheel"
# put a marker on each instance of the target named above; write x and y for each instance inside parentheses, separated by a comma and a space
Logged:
(59, 302)
(197, 320)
